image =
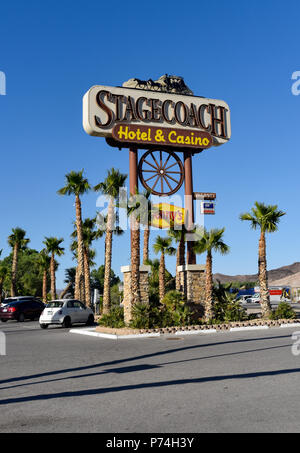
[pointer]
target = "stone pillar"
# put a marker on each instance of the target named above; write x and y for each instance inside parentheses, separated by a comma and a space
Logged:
(192, 282)
(144, 289)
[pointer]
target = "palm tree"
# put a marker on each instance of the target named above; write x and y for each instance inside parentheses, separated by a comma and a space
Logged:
(53, 248)
(135, 249)
(146, 243)
(266, 218)
(179, 237)
(210, 241)
(18, 242)
(110, 187)
(3, 274)
(89, 235)
(146, 219)
(163, 246)
(77, 185)
(70, 276)
(44, 264)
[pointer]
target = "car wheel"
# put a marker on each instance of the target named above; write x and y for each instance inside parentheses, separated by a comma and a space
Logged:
(21, 317)
(4, 320)
(67, 322)
(44, 326)
(90, 320)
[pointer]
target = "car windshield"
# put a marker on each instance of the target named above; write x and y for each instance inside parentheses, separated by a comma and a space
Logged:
(55, 304)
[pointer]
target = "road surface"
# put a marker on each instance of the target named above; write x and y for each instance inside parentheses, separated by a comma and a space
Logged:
(55, 381)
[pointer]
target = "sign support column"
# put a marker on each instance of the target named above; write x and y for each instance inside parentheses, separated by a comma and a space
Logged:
(134, 286)
(133, 187)
(133, 172)
(189, 203)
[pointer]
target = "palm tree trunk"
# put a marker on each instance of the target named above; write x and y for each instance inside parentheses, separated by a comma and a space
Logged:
(80, 290)
(108, 258)
(87, 277)
(135, 261)
(52, 274)
(76, 287)
(162, 277)
(14, 271)
(65, 291)
(263, 277)
(209, 288)
(146, 244)
(45, 286)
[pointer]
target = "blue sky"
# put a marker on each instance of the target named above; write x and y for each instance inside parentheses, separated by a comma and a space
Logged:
(242, 52)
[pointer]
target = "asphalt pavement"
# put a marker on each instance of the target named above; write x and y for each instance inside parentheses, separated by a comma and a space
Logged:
(54, 381)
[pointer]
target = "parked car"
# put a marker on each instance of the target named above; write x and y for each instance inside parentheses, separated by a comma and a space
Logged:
(244, 299)
(255, 299)
(66, 312)
(8, 300)
(21, 309)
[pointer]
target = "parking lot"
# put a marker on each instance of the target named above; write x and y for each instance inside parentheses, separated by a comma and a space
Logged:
(254, 308)
(55, 381)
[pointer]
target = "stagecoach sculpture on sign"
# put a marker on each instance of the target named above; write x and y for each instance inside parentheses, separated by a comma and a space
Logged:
(171, 125)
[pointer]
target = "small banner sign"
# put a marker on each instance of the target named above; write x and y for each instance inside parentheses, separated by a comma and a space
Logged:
(146, 135)
(167, 215)
(207, 208)
(204, 196)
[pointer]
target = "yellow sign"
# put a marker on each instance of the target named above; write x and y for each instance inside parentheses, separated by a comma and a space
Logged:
(161, 136)
(167, 215)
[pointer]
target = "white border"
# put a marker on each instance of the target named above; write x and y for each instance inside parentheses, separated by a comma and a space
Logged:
(91, 331)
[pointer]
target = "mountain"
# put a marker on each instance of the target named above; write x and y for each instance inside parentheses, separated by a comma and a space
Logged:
(282, 274)
(291, 280)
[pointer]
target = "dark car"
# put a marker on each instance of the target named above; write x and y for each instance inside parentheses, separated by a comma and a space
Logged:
(9, 300)
(21, 309)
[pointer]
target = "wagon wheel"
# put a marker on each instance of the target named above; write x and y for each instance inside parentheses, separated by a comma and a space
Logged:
(161, 172)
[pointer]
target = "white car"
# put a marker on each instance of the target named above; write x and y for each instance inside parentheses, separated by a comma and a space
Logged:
(244, 299)
(255, 299)
(66, 312)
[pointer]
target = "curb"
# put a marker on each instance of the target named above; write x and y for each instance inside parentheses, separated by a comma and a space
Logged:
(238, 329)
(284, 326)
(195, 332)
(92, 332)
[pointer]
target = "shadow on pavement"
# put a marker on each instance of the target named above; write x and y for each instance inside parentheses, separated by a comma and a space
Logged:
(101, 391)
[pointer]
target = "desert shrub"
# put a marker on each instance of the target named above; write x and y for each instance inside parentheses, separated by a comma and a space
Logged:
(227, 309)
(283, 311)
(140, 316)
(234, 312)
(174, 311)
(114, 319)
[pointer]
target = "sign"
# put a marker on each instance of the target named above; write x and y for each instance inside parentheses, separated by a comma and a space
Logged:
(167, 215)
(105, 107)
(204, 196)
(207, 208)
(161, 136)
